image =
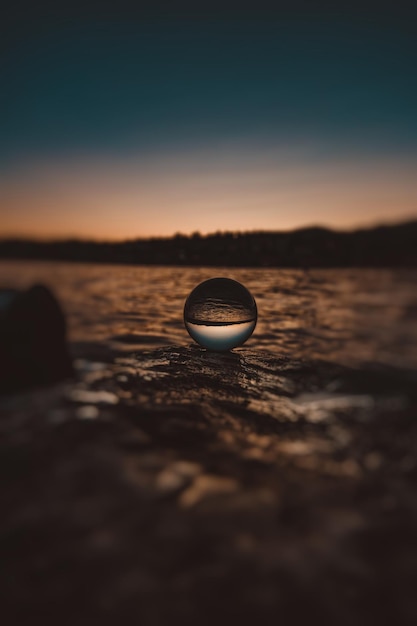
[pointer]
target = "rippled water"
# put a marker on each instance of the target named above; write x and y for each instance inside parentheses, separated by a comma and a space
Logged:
(349, 315)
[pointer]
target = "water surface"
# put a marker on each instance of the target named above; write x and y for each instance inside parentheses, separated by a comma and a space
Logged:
(350, 316)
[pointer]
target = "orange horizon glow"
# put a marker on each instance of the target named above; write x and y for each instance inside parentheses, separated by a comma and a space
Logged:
(107, 200)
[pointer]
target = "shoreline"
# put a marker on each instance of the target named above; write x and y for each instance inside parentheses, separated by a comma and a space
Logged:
(238, 474)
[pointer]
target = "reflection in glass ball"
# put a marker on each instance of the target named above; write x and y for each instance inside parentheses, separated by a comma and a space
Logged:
(220, 314)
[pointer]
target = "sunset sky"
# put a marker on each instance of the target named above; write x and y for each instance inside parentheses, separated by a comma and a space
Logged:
(120, 125)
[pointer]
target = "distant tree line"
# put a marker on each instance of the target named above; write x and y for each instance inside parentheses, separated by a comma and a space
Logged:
(384, 246)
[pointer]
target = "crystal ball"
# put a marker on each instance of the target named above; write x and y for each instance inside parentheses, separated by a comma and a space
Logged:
(220, 314)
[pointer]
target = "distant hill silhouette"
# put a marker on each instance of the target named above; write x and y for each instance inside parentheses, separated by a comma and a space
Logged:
(382, 246)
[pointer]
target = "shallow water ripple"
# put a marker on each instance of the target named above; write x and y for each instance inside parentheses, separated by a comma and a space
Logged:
(348, 316)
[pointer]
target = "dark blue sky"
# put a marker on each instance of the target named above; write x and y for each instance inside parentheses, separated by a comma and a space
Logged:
(119, 84)
(106, 84)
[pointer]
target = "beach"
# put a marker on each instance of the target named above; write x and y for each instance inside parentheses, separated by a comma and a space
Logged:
(166, 484)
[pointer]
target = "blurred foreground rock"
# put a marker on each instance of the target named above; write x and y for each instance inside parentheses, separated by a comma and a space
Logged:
(33, 348)
(177, 486)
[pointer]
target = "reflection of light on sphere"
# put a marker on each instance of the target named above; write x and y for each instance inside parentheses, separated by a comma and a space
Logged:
(220, 314)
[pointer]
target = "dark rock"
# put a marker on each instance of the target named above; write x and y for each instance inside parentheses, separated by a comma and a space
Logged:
(179, 486)
(33, 347)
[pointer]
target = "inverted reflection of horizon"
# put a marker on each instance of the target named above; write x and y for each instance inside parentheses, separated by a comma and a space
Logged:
(221, 337)
(196, 322)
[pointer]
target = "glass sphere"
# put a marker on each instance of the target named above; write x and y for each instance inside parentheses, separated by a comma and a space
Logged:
(220, 314)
